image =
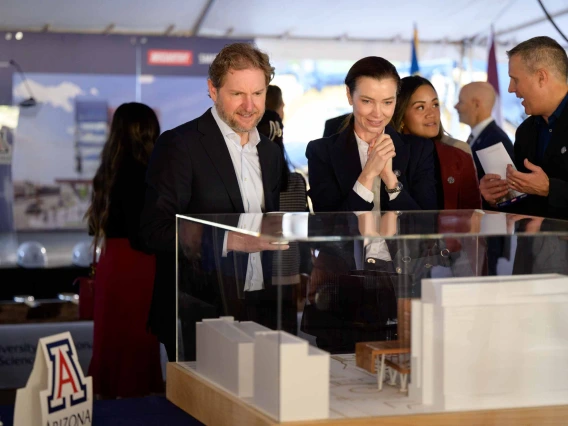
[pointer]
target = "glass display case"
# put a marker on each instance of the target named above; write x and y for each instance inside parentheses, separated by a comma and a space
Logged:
(305, 316)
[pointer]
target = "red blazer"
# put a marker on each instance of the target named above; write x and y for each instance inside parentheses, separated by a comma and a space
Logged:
(459, 183)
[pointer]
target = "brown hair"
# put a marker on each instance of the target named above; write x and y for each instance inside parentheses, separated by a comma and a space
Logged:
(373, 67)
(542, 52)
(239, 56)
(133, 132)
(409, 85)
(273, 98)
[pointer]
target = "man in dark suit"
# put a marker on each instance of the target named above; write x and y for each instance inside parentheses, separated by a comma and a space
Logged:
(538, 69)
(333, 125)
(475, 103)
(217, 163)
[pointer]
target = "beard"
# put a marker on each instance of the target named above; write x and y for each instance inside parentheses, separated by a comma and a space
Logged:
(232, 122)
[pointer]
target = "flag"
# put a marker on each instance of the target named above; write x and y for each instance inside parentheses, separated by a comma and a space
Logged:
(414, 68)
(493, 78)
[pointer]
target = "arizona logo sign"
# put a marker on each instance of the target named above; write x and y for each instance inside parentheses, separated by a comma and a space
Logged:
(57, 392)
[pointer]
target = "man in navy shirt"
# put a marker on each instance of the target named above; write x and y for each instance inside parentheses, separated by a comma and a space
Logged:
(538, 69)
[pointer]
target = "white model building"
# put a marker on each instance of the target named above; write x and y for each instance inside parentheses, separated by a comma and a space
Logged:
(225, 353)
(286, 377)
(493, 342)
(291, 378)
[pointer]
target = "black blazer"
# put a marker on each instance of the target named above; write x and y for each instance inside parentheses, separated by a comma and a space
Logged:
(190, 171)
(491, 135)
(333, 125)
(554, 164)
(334, 166)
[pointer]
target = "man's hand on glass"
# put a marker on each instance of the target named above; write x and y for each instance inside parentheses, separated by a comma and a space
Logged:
(251, 244)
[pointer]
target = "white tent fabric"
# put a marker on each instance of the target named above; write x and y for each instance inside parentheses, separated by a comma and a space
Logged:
(354, 24)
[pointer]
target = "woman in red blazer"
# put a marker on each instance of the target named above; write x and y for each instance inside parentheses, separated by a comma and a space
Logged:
(417, 112)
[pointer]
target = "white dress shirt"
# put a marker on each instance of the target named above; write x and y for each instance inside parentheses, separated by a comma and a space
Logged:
(249, 176)
(478, 128)
(377, 249)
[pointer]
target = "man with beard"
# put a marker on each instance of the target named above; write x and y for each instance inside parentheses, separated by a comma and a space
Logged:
(217, 163)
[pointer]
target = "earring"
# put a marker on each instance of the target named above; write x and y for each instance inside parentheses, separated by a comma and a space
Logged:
(401, 126)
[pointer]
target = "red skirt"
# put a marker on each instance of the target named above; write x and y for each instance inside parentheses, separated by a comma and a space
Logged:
(126, 357)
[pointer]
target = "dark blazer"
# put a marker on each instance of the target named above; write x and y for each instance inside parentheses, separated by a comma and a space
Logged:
(458, 187)
(554, 164)
(333, 125)
(190, 171)
(334, 166)
(491, 135)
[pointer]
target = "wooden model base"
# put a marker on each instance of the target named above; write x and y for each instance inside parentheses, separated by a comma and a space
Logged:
(212, 405)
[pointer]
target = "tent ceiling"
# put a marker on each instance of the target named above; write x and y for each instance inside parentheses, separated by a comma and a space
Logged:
(437, 20)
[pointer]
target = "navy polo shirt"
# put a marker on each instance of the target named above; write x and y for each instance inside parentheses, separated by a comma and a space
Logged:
(545, 129)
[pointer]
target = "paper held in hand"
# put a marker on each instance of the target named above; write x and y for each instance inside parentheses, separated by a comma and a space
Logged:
(494, 160)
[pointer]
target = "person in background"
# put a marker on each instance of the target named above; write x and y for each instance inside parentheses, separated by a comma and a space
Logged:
(293, 197)
(293, 186)
(126, 357)
(475, 104)
(538, 69)
(417, 113)
(274, 100)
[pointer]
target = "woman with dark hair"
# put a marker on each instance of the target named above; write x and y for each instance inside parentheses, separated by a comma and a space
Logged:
(126, 358)
(368, 165)
(417, 113)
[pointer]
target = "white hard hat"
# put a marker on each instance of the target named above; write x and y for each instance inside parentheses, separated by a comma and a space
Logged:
(32, 254)
(83, 254)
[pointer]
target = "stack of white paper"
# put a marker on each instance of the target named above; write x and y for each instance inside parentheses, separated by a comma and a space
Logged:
(495, 160)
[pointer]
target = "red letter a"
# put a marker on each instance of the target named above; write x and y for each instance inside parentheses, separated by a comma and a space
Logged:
(68, 376)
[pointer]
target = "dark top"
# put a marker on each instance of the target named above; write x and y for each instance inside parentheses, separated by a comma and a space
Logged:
(554, 163)
(126, 203)
(333, 125)
(191, 172)
(545, 129)
(335, 166)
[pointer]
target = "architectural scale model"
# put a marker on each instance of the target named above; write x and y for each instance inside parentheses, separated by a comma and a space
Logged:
(291, 378)
(283, 375)
(475, 343)
(389, 357)
(494, 342)
(225, 353)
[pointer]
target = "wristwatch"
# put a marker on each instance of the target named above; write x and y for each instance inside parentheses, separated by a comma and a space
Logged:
(397, 188)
